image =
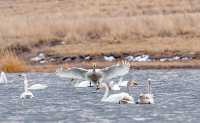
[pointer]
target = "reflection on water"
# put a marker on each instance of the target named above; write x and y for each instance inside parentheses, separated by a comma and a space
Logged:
(177, 97)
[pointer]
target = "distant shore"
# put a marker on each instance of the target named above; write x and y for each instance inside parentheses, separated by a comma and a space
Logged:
(193, 64)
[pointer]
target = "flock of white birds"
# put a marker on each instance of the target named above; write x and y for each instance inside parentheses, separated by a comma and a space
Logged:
(102, 79)
(99, 78)
(27, 90)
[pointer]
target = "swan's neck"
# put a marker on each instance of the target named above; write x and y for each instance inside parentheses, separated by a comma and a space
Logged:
(1, 74)
(93, 70)
(128, 90)
(120, 80)
(3, 77)
(106, 91)
(25, 84)
(149, 86)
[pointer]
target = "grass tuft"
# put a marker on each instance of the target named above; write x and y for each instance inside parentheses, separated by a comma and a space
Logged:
(10, 62)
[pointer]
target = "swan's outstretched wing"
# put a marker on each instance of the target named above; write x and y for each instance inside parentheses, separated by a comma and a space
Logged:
(116, 70)
(74, 73)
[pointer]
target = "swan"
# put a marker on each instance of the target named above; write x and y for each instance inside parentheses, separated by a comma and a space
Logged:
(26, 94)
(37, 87)
(116, 86)
(84, 84)
(122, 83)
(115, 98)
(146, 98)
(3, 78)
(94, 75)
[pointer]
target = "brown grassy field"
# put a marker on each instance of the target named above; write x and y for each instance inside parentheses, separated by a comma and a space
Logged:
(96, 27)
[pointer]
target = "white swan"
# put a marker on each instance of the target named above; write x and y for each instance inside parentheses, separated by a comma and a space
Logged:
(115, 98)
(146, 98)
(95, 75)
(83, 84)
(37, 87)
(26, 94)
(122, 83)
(116, 86)
(3, 78)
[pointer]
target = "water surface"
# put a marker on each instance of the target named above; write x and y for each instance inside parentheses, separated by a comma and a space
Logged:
(177, 98)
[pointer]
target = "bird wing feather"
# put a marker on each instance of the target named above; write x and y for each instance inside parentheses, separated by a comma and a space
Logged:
(74, 73)
(116, 70)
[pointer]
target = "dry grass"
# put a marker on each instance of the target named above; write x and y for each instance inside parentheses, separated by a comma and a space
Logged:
(10, 62)
(94, 36)
(96, 27)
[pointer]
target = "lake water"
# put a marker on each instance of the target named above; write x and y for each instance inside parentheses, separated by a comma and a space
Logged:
(177, 98)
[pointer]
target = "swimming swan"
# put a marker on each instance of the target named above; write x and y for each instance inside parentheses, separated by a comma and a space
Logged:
(116, 86)
(37, 87)
(3, 78)
(147, 98)
(26, 94)
(115, 98)
(83, 84)
(122, 83)
(95, 75)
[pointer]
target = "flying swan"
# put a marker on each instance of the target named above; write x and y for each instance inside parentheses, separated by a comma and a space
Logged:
(95, 75)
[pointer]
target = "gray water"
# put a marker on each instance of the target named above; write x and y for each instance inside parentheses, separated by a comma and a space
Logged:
(177, 98)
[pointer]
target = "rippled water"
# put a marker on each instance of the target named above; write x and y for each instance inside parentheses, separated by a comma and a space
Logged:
(177, 98)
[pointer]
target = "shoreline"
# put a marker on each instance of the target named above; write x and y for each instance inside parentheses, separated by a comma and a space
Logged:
(193, 64)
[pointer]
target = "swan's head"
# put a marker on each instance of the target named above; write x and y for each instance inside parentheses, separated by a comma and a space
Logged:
(94, 65)
(143, 97)
(132, 83)
(146, 97)
(72, 79)
(22, 75)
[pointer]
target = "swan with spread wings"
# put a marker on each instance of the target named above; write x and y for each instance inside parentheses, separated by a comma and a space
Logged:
(94, 75)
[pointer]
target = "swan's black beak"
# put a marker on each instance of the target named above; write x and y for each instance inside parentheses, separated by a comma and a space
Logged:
(97, 88)
(135, 83)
